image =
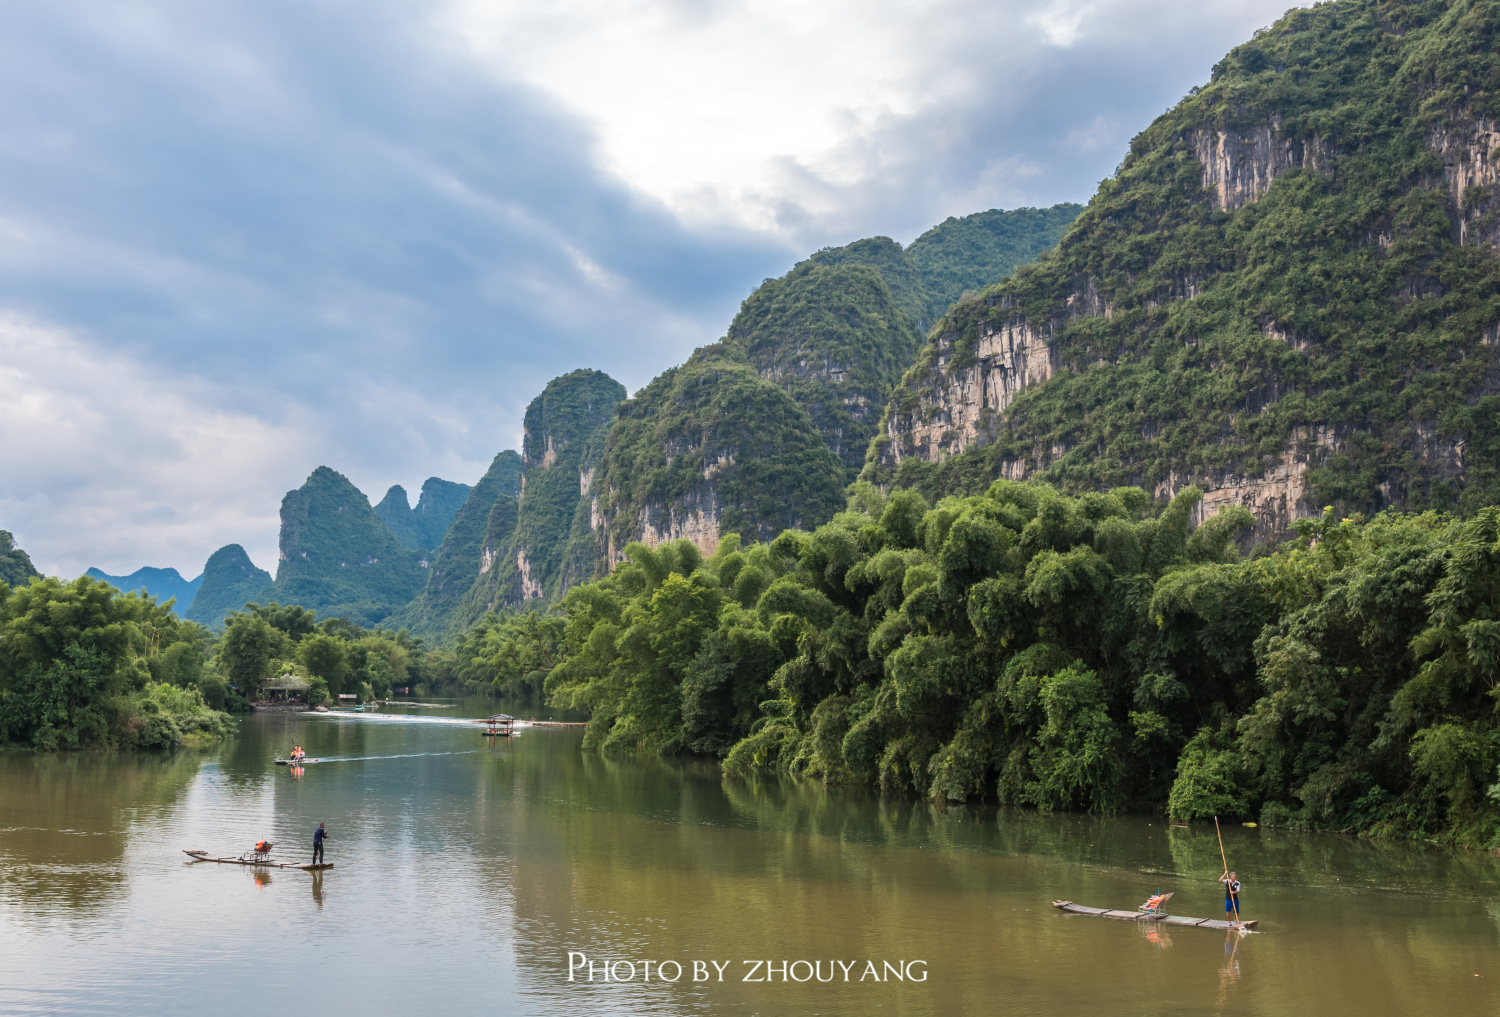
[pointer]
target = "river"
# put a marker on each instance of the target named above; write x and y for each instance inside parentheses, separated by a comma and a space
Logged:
(468, 870)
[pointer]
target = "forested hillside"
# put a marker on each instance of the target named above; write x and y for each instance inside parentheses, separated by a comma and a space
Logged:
(422, 528)
(962, 255)
(833, 337)
(552, 544)
(480, 528)
(15, 564)
(337, 557)
(1288, 293)
(229, 580)
(710, 448)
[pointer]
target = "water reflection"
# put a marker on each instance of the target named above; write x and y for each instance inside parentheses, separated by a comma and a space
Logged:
(483, 862)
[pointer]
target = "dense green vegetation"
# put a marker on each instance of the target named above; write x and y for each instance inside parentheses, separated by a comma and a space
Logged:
(338, 557)
(964, 255)
(454, 568)
(82, 665)
(1068, 653)
(15, 564)
(1339, 299)
(335, 656)
(834, 339)
(422, 528)
(552, 545)
(229, 580)
(713, 436)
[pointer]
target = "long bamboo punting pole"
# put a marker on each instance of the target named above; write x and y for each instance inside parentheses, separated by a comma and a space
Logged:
(1232, 895)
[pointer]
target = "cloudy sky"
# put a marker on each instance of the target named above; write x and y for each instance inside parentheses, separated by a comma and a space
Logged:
(240, 239)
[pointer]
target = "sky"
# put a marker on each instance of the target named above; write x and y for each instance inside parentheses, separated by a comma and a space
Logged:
(240, 239)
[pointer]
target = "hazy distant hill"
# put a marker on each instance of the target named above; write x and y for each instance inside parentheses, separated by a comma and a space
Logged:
(162, 584)
(422, 528)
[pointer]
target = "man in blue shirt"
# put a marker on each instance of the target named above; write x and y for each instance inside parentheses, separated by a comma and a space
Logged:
(319, 835)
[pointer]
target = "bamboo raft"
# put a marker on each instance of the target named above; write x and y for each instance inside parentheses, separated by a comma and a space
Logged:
(202, 856)
(296, 762)
(1151, 916)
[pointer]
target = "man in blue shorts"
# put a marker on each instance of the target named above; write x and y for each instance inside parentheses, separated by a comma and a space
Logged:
(1231, 896)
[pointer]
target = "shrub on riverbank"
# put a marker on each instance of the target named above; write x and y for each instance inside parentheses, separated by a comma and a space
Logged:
(82, 665)
(1079, 653)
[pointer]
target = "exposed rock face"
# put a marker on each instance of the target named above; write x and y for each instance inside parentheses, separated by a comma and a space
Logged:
(695, 517)
(1239, 166)
(944, 410)
(553, 545)
(1470, 149)
(707, 448)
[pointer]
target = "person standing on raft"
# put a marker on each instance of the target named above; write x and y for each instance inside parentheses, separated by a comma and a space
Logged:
(1231, 896)
(319, 836)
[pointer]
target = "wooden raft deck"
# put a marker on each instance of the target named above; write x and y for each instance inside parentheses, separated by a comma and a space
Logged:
(202, 856)
(1146, 916)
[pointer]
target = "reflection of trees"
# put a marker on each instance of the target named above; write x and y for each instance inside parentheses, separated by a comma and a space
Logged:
(74, 814)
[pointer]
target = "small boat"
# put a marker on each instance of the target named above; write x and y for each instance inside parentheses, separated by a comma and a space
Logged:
(259, 862)
(296, 762)
(1142, 915)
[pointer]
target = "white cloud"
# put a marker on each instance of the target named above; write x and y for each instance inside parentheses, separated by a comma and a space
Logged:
(114, 465)
(778, 115)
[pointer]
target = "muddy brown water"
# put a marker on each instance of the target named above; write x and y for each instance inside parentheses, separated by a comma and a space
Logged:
(470, 871)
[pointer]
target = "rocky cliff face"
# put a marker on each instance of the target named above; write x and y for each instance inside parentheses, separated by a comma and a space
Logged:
(1266, 301)
(337, 557)
(709, 448)
(553, 545)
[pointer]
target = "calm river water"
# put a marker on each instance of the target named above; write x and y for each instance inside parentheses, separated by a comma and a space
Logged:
(467, 870)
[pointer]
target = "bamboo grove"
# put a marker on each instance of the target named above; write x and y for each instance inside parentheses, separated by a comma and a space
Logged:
(1095, 653)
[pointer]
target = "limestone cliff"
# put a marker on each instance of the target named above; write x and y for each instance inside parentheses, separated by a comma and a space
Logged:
(1273, 298)
(553, 545)
(708, 448)
(466, 553)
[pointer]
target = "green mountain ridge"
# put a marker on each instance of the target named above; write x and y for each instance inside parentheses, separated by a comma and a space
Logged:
(163, 584)
(810, 355)
(229, 581)
(1287, 295)
(710, 448)
(422, 528)
(15, 564)
(461, 557)
(338, 558)
(553, 546)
